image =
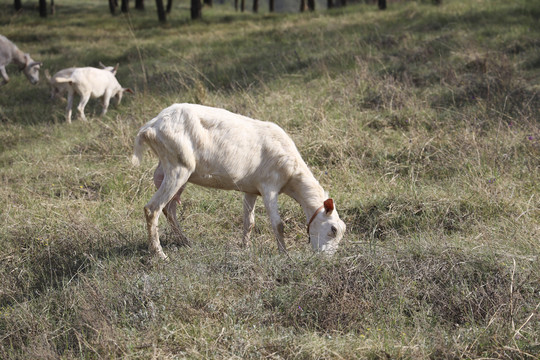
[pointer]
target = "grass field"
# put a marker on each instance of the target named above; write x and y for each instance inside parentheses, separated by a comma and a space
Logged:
(421, 121)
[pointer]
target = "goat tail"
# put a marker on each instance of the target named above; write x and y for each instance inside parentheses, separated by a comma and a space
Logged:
(138, 149)
(63, 80)
(146, 134)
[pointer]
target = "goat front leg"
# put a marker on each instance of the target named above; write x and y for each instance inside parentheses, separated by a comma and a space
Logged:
(171, 184)
(249, 217)
(106, 101)
(4, 75)
(270, 202)
(119, 97)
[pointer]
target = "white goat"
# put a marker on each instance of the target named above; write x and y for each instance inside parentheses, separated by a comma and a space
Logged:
(91, 82)
(58, 89)
(215, 148)
(9, 53)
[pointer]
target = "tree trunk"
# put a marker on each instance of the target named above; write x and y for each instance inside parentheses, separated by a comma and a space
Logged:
(235, 5)
(124, 6)
(195, 9)
(43, 8)
(53, 8)
(303, 5)
(139, 4)
(255, 6)
(18, 5)
(382, 4)
(169, 6)
(161, 11)
(329, 4)
(343, 3)
(242, 5)
(208, 3)
(271, 5)
(311, 5)
(112, 6)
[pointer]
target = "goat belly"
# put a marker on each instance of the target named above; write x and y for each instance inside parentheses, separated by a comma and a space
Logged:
(221, 182)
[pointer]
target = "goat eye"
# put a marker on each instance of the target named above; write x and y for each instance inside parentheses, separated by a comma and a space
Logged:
(334, 229)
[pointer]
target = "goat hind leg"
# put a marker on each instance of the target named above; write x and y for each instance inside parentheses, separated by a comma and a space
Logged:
(170, 209)
(69, 106)
(81, 106)
(170, 213)
(167, 190)
(249, 217)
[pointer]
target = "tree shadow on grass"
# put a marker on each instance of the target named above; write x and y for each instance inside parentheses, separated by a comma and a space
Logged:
(266, 55)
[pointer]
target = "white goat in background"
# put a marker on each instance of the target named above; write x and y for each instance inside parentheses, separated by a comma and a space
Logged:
(215, 148)
(91, 82)
(58, 89)
(9, 53)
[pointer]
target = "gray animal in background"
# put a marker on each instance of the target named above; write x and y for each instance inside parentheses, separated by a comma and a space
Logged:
(10, 53)
(91, 82)
(58, 89)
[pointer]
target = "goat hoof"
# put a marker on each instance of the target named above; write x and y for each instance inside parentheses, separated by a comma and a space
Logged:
(157, 254)
(161, 255)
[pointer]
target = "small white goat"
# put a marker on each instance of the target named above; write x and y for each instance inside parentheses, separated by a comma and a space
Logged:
(215, 148)
(91, 82)
(58, 89)
(9, 53)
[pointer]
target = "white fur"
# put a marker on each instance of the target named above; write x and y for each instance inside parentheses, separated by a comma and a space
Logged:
(58, 89)
(91, 82)
(215, 148)
(9, 53)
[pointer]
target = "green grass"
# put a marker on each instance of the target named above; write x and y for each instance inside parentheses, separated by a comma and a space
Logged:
(421, 121)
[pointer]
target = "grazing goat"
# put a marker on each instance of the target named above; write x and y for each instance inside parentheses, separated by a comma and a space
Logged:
(9, 52)
(91, 82)
(58, 89)
(215, 148)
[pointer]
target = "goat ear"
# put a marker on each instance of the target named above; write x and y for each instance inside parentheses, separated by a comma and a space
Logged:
(329, 206)
(128, 90)
(116, 68)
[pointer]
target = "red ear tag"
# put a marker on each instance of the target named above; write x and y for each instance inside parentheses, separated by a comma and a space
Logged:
(329, 205)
